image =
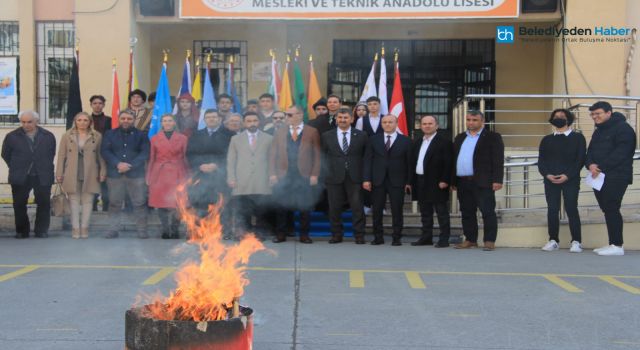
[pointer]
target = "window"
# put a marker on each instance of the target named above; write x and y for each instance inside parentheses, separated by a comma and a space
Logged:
(221, 51)
(55, 42)
(9, 47)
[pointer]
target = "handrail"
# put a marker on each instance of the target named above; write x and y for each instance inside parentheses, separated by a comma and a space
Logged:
(587, 97)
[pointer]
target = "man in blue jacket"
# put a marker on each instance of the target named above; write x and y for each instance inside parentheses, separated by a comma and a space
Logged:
(125, 150)
(610, 152)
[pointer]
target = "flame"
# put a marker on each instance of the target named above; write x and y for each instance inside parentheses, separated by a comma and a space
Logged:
(206, 290)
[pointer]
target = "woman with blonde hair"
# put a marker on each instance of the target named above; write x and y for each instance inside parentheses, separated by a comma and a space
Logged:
(80, 169)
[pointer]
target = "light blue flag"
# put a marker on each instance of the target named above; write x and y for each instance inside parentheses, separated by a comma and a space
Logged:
(208, 99)
(163, 103)
(231, 91)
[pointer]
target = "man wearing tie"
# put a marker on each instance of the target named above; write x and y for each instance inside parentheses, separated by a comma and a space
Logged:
(479, 169)
(247, 162)
(294, 168)
(432, 165)
(344, 149)
(387, 171)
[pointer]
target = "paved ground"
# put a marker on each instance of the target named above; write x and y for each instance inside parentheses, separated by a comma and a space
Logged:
(60, 293)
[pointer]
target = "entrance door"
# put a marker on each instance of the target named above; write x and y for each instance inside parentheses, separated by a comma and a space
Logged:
(435, 73)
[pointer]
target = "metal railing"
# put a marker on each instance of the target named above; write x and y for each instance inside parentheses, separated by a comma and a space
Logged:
(515, 132)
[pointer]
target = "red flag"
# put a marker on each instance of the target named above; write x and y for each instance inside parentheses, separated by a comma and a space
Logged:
(397, 103)
(115, 100)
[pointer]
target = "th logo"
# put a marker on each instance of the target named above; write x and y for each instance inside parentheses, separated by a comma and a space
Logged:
(505, 34)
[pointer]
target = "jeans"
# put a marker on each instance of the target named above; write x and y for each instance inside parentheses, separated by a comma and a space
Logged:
(135, 188)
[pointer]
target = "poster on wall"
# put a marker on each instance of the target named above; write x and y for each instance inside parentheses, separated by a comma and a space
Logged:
(8, 85)
(348, 9)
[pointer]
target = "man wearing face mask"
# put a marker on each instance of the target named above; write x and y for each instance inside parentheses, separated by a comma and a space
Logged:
(560, 160)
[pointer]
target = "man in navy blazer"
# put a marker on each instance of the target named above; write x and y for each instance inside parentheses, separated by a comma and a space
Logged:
(387, 172)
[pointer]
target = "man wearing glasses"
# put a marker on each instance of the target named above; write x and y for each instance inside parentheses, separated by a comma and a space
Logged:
(294, 169)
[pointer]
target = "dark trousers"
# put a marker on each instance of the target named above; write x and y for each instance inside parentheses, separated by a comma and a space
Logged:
(246, 206)
(339, 194)
(569, 192)
(169, 220)
(379, 198)
(610, 199)
(42, 196)
(282, 222)
(294, 193)
(426, 215)
(473, 197)
(104, 194)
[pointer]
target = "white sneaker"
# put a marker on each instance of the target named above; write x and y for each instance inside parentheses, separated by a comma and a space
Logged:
(576, 247)
(612, 250)
(599, 249)
(367, 210)
(551, 246)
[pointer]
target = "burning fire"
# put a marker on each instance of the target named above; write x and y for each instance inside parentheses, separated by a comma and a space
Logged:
(207, 290)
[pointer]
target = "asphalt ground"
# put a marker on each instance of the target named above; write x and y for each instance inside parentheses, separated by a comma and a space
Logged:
(59, 293)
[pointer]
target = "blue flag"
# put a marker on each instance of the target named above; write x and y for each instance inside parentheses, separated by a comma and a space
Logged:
(208, 99)
(163, 102)
(185, 85)
(231, 91)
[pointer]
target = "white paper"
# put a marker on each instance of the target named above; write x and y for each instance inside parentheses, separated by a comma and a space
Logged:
(596, 183)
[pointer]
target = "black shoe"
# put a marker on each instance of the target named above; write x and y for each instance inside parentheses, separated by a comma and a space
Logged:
(335, 240)
(377, 241)
(21, 235)
(360, 241)
(166, 235)
(42, 235)
(422, 241)
(278, 239)
(305, 240)
(441, 245)
(396, 242)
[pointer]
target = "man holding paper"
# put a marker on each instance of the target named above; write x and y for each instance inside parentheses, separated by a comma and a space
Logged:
(611, 153)
(560, 160)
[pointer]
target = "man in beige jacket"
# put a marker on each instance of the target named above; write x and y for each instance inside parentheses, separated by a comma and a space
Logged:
(247, 166)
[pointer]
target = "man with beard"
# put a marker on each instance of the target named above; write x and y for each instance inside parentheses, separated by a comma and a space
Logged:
(277, 121)
(187, 116)
(247, 162)
(294, 169)
(344, 149)
(141, 114)
(224, 102)
(207, 154)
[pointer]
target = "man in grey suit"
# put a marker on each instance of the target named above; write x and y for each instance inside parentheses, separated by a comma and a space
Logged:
(247, 164)
(344, 149)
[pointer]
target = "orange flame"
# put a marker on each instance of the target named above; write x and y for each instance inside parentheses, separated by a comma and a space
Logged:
(206, 290)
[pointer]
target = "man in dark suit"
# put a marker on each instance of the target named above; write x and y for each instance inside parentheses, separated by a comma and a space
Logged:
(479, 168)
(207, 154)
(294, 169)
(28, 152)
(432, 158)
(387, 172)
(344, 149)
(321, 122)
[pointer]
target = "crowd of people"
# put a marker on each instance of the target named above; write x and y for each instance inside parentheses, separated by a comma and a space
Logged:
(265, 165)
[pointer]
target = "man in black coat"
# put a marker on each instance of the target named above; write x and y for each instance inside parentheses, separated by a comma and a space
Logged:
(28, 152)
(387, 171)
(610, 153)
(207, 154)
(478, 169)
(321, 122)
(344, 149)
(432, 162)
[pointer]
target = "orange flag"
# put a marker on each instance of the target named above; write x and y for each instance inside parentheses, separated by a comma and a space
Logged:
(286, 100)
(314, 94)
(115, 99)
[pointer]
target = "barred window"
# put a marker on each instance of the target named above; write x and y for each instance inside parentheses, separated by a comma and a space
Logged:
(55, 44)
(221, 51)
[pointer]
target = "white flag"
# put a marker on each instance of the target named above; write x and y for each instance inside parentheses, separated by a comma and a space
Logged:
(370, 86)
(382, 89)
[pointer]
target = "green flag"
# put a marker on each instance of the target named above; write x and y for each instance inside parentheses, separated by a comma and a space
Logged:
(299, 93)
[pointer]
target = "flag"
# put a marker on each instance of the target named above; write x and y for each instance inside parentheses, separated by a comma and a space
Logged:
(115, 99)
(132, 79)
(185, 86)
(299, 93)
(208, 98)
(285, 91)
(397, 102)
(314, 93)
(74, 102)
(231, 90)
(163, 102)
(274, 80)
(382, 87)
(370, 86)
(196, 90)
